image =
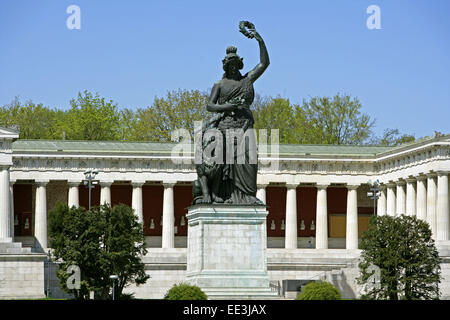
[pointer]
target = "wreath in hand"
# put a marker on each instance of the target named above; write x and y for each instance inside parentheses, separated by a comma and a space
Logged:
(244, 27)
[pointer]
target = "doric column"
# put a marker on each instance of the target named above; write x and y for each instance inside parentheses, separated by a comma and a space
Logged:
(421, 205)
(321, 218)
(291, 217)
(11, 208)
(73, 198)
(401, 197)
(261, 192)
(136, 199)
(391, 199)
(352, 218)
(105, 192)
(40, 215)
(168, 237)
(431, 202)
(5, 208)
(442, 206)
(410, 197)
(381, 205)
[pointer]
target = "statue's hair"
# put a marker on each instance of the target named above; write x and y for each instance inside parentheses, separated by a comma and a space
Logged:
(231, 49)
(232, 56)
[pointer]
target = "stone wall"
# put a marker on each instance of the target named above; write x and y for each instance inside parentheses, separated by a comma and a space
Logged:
(22, 276)
(167, 267)
(272, 242)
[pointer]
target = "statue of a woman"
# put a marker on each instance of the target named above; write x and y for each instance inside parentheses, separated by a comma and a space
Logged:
(233, 182)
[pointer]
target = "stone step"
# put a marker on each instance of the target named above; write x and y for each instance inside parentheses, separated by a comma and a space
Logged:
(12, 251)
(10, 245)
(241, 294)
(27, 250)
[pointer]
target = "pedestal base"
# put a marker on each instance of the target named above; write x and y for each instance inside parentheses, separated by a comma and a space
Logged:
(227, 255)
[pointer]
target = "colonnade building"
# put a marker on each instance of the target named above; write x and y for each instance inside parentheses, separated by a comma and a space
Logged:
(316, 196)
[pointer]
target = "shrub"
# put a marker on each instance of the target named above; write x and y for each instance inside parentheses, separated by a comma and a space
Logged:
(402, 251)
(184, 291)
(319, 290)
(126, 296)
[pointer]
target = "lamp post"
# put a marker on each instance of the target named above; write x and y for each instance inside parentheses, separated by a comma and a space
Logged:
(90, 183)
(49, 257)
(113, 278)
(374, 194)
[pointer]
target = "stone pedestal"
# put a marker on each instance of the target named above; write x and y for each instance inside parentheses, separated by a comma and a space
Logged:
(227, 251)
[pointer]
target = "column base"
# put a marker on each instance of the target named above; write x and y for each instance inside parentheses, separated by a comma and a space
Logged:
(6, 240)
(227, 253)
(443, 247)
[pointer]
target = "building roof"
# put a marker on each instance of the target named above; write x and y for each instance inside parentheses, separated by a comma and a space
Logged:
(8, 133)
(72, 146)
(143, 148)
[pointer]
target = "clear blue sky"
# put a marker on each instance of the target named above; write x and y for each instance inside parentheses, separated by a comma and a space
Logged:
(131, 51)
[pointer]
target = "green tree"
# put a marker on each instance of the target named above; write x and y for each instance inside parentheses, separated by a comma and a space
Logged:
(392, 137)
(336, 120)
(34, 121)
(101, 242)
(178, 110)
(276, 113)
(403, 250)
(128, 120)
(91, 118)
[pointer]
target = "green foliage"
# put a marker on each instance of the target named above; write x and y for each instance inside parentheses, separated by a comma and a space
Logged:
(101, 242)
(92, 118)
(33, 121)
(179, 109)
(128, 123)
(184, 291)
(319, 290)
(336, 120)
(276, 113)
(319, 120)
(402, 248)
(126, 296)
(392, 137)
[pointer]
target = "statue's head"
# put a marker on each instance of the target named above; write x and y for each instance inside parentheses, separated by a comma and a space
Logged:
(232, 63)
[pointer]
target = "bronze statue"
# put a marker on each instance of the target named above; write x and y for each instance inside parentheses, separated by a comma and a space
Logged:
(224, 181)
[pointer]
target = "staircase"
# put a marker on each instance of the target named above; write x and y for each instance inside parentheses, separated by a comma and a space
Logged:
(7, 246)
(333, 265)
(444, 252)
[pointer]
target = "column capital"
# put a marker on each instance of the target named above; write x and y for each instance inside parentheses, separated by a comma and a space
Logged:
(421, 177)
(410, 180)
(169, 183)
(73, 183)
(105, 183)
(382, 186)
(12, 182)
(292, 185)
(400, 182)
(352, 186)
(321, 186)
(431, 175)
(391, 184)
(137, 184)
(261, 185)
(41, 183)
(442, 172)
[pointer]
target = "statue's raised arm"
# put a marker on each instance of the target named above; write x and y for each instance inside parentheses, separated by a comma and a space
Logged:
(264, 62)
